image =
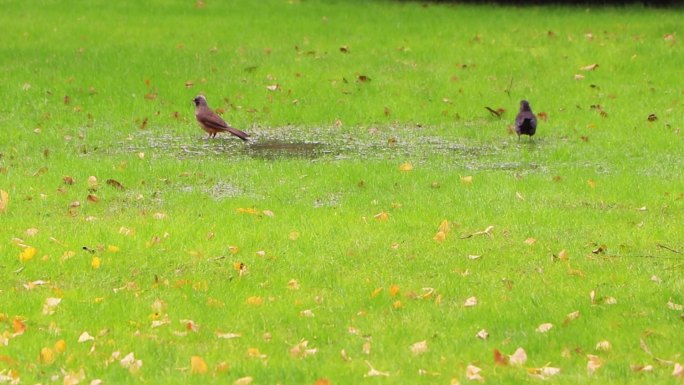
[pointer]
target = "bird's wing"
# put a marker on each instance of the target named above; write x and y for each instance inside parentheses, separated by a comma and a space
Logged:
(211, 120)
(522, 115)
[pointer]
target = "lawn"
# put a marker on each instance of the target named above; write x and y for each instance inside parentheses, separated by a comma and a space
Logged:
(381, 226)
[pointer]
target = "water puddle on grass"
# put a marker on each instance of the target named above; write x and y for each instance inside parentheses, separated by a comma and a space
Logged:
(278, 149)
(400, 144)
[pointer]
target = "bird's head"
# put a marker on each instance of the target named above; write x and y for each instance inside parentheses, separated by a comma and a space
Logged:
(200, 100)
(525, 105)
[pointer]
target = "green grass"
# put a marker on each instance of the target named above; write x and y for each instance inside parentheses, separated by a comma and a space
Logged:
(586, 180)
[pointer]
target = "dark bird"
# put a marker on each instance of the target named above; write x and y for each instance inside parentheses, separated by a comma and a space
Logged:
(525, 122)
(212, 123)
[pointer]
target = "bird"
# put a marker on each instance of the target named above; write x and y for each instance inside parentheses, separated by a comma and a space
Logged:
(525, 122)
(212, 123)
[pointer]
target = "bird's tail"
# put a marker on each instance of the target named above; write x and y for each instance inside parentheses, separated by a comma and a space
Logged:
(238, 133)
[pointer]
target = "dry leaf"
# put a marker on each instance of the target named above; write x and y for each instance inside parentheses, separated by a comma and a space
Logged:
(500, 358)
(641, 368)
(543, 328)
(372, 372)
(227, 336)
(116, 184)
(473, 373)
(366, 348)
(302, 350)
(406, 167)
(578, 77)
(482, 334)
(95, 263)
(593, 363)
(18, 326)
(419, 347)
(563, 255)
(382, 216)
(674, 306)
(440, 236)
(591, 183)
(273, 87)
(198, 365)
(470, 302)
(543, 373)
(530, 241)
(590, 67)
(518, 358)
(243, 381)
(306, 313)
(27, 254)
(467, 180)
(4, 200)
(129, 362)
(85, 337)
(678, 370)
(603, 346)
(572, 316)
(345, 356)
(50, 305)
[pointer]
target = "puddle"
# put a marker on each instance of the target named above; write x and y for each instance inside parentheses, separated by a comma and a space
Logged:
(278, 149)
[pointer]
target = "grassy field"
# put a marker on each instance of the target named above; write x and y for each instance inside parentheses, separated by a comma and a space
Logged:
(402, 221)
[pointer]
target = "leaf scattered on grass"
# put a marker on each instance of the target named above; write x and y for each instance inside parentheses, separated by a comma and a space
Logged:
(198, 365)
(470, 302)
(518, 358)
(372, 372)
(593, 363)
(85, 337)
(50, 305)
(419, 347)
(482, 334)
(545, 327)
(473, 373)
(544, 372)
(603, 346)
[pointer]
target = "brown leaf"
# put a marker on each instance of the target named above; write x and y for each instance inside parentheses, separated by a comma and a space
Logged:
(93, 198)
(652, 117)
(500, 358)
(590, 67)
(344, 49)
(116, 184)
(364, 79)
(151, 96)
(68, 180)
(4, 200)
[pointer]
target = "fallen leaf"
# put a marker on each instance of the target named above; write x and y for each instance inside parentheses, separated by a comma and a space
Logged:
(440, 236)
(674, 306)
(545, 327)
(116, 184)
(308, 313)
(27, 254)
(95, 263)
(4, 200)
(406, 167)
(18, 326)
(273, 87)
(47, 356)
(394, 290)
(678, 370)
(563, 255)
(482, 334)
(578, 77)
(198, 365)
(85, 337)
(641, 368)
(366, 348)
(254, 300)
(473, 373)
(129, 362)
(382, 216)
(593, 363)
(372, 372)
(419, 347)
(591, 183)
(499, 358)
(470, 302)
(363, 79)
(50, 305)
(530, 241)
(589, 67)
(243, 381)
(228, 336)
(543, 373)
(467, 180)
(603, 346)
(652, 117)
(518, 358)
(302, 350)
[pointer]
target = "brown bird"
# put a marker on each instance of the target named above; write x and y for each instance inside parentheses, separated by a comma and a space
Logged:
(212, 123)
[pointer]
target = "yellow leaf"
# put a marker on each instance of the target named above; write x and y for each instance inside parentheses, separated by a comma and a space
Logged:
(254, 300)
(27, 254)
(293, 236)
(406, 167)
(251, 211)
(591, 183)
(530, 241)
(440, 236)
(233, 249)
(444, 227)
(112, 249)
(382, 216)
(4, 200)
(394, 290)
(47, 356)
(376, 292)
(96, 262)
(222, 367)
(563, 255)
(397, 304)
(197, 365)
(590, 67)
(60, 346)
